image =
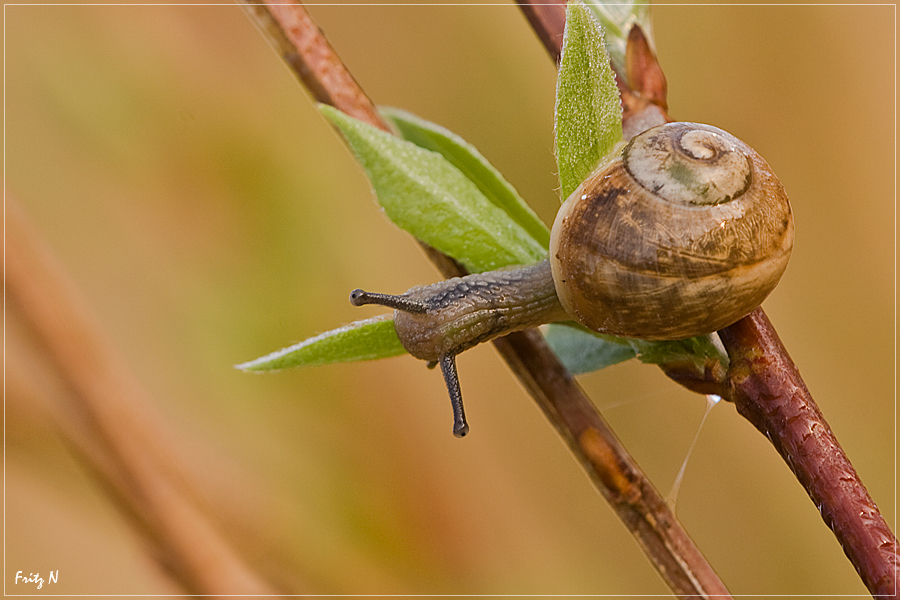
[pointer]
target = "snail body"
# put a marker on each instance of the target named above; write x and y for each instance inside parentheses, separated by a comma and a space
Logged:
(682, 233)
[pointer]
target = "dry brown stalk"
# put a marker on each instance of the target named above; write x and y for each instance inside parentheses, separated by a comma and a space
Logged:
(573, 414)
(111, 427)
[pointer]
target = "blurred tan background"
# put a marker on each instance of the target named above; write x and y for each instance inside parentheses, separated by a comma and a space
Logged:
(209, 215)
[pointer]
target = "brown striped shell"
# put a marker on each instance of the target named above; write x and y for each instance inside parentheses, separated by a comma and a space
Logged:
(684, 233)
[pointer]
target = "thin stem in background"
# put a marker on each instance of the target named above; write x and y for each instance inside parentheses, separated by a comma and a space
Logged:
(764, 382)
(110, 426)
(608, 464)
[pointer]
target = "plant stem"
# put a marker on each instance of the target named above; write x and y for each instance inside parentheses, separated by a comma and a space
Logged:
(608, 464)
(765, 385)
(110, 427)
(300, 44)
(548, 20)
(768, 391)
(610, 467)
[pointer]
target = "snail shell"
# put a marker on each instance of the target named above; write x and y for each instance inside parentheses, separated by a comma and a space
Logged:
(684, 233)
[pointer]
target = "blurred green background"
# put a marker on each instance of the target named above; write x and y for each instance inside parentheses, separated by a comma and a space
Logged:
(209, 215)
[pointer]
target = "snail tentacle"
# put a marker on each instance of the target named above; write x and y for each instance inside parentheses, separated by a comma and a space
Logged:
(360, 297)
(451, 378)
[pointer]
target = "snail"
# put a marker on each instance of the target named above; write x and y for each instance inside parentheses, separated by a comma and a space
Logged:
(683, 232)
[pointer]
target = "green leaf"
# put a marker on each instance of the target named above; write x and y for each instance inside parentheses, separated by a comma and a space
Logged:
(617, 18)
(473, 165)
(588, 110)
(695, 350)
(362, 340)
(584, 351)
(427, 196)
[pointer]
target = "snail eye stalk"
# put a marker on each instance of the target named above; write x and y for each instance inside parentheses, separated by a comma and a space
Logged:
(360, 297)
(448, 368)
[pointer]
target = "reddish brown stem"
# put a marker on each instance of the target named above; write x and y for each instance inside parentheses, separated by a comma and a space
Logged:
(548, 20)
(300, 43)
(764, 383)
(768, 391)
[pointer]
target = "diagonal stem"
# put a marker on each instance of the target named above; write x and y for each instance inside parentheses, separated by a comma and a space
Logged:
(299, 42)
(608, 464)
(768, 391)
(766, 386)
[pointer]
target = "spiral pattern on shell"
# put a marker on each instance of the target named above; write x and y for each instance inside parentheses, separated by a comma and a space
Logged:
(683, 234)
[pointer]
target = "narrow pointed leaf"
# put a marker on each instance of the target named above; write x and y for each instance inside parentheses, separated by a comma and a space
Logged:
(588, 110)
(368, 339)
(473, 165)
(422, 193)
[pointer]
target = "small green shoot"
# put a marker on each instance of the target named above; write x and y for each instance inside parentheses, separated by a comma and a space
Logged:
(588, 120)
